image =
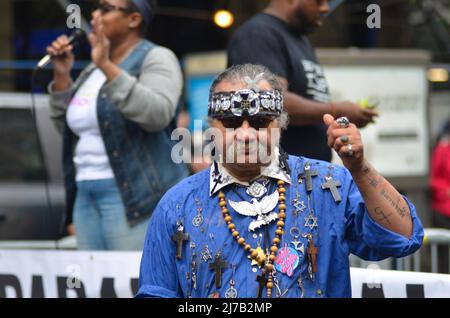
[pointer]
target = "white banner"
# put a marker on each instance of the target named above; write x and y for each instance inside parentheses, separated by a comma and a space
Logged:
(70, 274)
(379, 283)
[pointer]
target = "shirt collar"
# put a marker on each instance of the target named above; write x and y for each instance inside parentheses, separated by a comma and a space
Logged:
(273, 170)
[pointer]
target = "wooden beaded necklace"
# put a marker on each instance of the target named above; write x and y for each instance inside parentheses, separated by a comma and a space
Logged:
(268, 265)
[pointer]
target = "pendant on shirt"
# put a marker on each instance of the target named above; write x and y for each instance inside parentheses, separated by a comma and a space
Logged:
(300, 284)
(298, 245)
(179, 237)
(261, 255)
(257, 189)
(332, 185)
(298, 205)
(308, 174)
(260, 251)
(263, 210)
(276, 283)
(312, 252)
(198, 219)
(206, 254)
(194, 266)
(217, 266)
(311, 221)
(286, 260)
(232, 291)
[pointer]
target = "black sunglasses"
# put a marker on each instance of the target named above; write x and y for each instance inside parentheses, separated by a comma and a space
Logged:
(257, 122)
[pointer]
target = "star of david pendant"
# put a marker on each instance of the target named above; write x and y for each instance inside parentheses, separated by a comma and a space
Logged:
(298, 205)
(311, 221)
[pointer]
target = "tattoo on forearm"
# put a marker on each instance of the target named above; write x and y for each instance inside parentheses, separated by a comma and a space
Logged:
(384, 217)
(402, 211)
(374, 180)
(366, 169)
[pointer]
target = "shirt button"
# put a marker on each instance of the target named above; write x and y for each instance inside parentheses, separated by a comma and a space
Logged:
(106, 124)
(115, 154)
(136, 214)
(125, 184)
(103, 95)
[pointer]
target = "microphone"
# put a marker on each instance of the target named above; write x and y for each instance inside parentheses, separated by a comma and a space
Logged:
(73, 39)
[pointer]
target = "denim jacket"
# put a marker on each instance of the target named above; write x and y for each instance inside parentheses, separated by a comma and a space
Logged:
(141, 160)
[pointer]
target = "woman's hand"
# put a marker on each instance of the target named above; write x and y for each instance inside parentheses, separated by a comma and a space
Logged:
(101, 45)
(63, 60)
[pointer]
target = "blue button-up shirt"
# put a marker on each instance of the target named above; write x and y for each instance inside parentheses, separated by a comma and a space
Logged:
(342, 228)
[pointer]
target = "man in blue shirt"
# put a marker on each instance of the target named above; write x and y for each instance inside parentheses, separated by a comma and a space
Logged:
(260, 223)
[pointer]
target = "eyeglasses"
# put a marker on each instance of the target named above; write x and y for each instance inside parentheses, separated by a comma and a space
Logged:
(257, 122)
(106, 7)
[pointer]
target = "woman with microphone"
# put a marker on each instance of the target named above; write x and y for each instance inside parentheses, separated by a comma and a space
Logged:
(116, 120)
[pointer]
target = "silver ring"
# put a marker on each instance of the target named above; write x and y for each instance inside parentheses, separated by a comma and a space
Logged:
(343, 122)
(350, 150)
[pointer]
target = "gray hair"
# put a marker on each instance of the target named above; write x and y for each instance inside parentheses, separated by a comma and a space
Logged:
(239, 72)
(283, 120)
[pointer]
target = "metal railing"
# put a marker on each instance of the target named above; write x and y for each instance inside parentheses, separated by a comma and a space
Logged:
(434, 237)
(66, 243)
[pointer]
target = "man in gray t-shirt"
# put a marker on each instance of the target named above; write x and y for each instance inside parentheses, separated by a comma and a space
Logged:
(276, 38)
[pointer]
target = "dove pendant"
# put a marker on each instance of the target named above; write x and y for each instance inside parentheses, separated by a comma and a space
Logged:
(263, 210)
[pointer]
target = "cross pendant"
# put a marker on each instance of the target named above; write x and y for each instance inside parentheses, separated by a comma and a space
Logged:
(179, 237)
(332, 185)
(312, 252)
(307, 175)
(217, 267)
(262, 281)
